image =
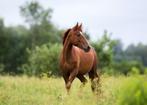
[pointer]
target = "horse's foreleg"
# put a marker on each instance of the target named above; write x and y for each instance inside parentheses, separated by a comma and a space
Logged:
(66, 76)
(72, 76)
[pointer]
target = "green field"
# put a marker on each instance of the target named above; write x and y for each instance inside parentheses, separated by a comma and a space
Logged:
(51, 91)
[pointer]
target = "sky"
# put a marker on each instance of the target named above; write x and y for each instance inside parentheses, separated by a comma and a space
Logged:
(124, 19)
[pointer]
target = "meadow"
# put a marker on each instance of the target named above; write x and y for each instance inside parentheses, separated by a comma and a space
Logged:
(51, 91)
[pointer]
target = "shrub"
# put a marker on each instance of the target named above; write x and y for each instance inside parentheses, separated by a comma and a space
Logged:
(104, 50)
(145, 70)
(126, 66)
(134, 71)
(43, 59)
(2, 66)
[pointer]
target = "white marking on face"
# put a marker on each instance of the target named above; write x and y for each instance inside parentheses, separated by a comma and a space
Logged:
(81, 33)
(84, 37)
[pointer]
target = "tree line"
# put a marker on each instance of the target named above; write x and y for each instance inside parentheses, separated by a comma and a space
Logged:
(35, 49)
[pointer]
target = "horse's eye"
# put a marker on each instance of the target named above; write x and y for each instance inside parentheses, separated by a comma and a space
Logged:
(78, 34)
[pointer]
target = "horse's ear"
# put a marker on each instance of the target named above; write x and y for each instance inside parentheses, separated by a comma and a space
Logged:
(76, 26)
(80, 26)
(65, 35)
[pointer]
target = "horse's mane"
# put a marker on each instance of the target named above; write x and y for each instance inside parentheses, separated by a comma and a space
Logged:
(65, 35)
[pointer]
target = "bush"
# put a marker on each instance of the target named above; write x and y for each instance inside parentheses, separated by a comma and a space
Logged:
(44, 59)
(125, 67)
(133, 92)
(104, 50)
(2, 66)
(145, 71)
(134, 71)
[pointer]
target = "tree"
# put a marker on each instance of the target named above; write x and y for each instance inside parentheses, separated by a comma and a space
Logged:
(2, 45)
(12, 47)
(125, 60)
(34, 13)
(43, 59)
(41, 28)
(118, 51)
(104, 50)
(138, 53)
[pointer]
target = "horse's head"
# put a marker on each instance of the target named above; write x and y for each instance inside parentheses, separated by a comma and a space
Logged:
(77, 38)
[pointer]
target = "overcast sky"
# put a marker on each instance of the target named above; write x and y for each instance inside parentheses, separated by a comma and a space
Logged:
(125, 19)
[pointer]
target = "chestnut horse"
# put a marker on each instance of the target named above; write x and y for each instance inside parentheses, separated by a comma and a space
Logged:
(77, 58)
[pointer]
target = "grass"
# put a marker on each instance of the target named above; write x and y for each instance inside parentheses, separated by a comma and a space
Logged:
(51, 91)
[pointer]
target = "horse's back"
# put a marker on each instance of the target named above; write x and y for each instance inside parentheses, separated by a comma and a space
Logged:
(86, 59)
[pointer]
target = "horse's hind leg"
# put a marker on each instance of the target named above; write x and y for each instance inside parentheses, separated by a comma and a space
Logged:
(95, 79)
(82, 79)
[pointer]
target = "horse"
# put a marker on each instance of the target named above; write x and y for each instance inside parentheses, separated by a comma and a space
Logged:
(77, 58)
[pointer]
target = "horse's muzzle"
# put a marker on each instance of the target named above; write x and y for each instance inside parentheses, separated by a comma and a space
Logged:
(87, 49)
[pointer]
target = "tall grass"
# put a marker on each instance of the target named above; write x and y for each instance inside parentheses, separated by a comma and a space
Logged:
(133, 91)
(51, 91)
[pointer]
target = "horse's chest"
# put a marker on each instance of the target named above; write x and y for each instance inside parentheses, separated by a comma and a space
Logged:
(69, 66)
(86, 63)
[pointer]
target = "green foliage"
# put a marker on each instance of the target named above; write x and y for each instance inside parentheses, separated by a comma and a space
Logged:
(132, 56)
(104, 50)
(125, 67)
(14, 40)
(133, 92)
(118, 51)
(12, 48)
(138, 52)
(145, 70)
(43, 59)
(114, 60)
(1, 68)
(41, 29)
(126, 60)
(34, 13)
(134, 71)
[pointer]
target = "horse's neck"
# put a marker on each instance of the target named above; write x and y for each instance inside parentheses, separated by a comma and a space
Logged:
(67, 50)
